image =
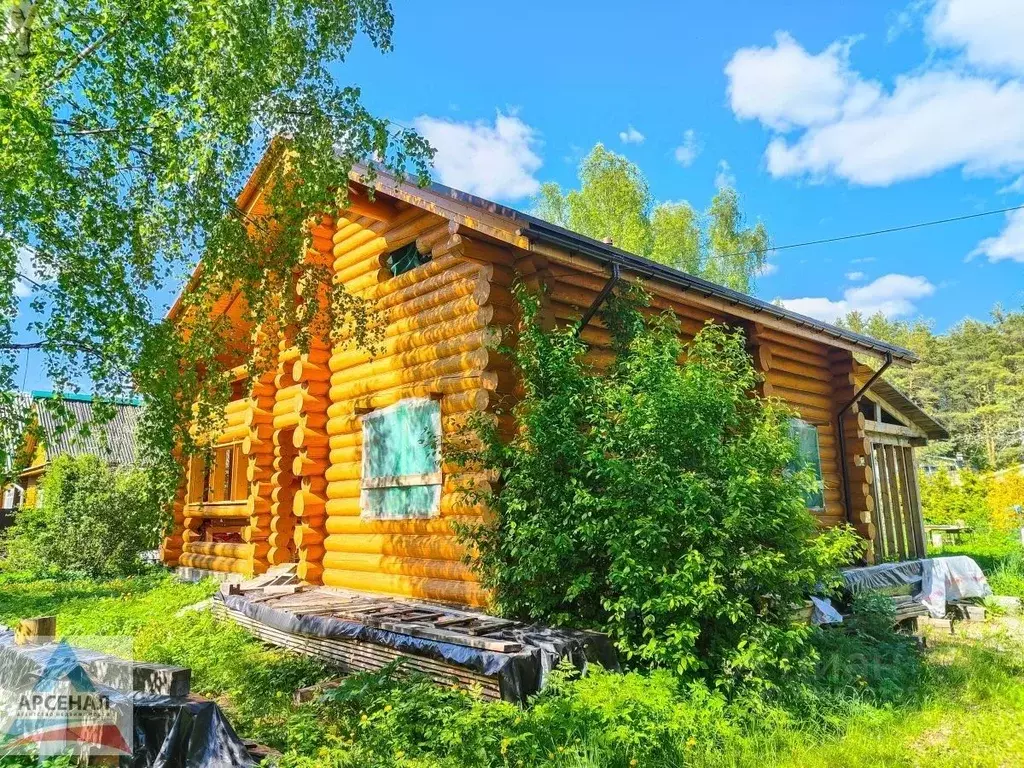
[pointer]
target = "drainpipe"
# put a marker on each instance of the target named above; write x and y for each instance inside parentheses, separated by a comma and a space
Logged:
(601, 298)
(842, 434)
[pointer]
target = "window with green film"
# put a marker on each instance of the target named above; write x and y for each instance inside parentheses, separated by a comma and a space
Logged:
(808, 455)
(402, 460)
(406, 258)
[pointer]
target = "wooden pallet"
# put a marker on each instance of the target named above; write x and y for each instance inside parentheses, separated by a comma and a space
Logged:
(431, 621)
(359, 656)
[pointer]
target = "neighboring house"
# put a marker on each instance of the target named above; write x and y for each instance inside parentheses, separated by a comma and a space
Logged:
(320, 464)
(65, 425)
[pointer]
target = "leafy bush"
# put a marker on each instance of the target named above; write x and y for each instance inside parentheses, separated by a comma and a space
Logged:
(94, 520)
(1005, 497)
(944, 502)
(654, 501)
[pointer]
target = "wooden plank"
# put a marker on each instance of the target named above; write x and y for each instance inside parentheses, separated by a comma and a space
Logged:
(882, 481)
(875, 490)
(353, 654)
(915, 473)
(494, 626)
(912, 504)
(455, 621)
(897, 501)
(440, 635)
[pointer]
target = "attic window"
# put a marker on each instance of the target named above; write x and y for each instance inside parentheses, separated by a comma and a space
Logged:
(406, 258)
(402, 460)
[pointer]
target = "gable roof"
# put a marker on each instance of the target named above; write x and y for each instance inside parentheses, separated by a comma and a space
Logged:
(524, 230)
(528, 232)
(906, 407)
(78, 433)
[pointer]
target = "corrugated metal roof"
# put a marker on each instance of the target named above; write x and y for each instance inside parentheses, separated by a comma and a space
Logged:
(69, 428)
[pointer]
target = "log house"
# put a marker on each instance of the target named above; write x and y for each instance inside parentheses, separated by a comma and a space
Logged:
(316, 466)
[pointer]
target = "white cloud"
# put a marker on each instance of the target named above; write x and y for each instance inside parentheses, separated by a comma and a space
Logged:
(768, 268)
(724, 177)
(854, 129)
(687, 152)
(1013, 186)
(893, 295)
(990, 32)
(784, 86)
(497, 160)
(855, 277)
(26, 266)
(631, 136)
(1008, 244)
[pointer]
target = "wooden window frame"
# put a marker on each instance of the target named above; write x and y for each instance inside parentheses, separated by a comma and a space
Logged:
(218, 477)
(816, 508)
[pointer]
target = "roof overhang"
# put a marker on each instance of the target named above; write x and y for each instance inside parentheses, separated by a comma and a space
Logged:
(527, 232)
(903, 405)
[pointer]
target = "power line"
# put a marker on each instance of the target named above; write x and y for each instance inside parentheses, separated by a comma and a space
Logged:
(886, 231)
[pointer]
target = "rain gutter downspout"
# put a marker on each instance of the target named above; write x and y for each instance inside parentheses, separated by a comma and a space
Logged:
(842, 435)
(601, 298)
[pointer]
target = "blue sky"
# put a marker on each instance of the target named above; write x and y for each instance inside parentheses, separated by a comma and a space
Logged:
(882, 114)
(829, 118)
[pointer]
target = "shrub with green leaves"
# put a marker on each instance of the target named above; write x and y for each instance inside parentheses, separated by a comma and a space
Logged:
(945, 502)
(654, 501)
(94, 520)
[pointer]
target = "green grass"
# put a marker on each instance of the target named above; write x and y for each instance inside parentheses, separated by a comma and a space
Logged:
(250, 681)
(875, 702)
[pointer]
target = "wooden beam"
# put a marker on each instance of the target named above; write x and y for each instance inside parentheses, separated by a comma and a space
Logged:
(896, 430)
(361, 205)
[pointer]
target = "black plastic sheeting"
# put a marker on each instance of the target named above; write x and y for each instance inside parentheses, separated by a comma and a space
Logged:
(520, 674)
(168, 731)
(885, 576)
(173, 732)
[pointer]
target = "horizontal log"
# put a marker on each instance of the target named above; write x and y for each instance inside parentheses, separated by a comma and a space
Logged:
(220, 564)
(404, 566)
(794, 368)
(444, 590)
(404, 233)
(416, 339)
(218, 510)
(467, 342)
(305, 536)
(311, 573)
(279, 555)
(308, 504)
(239, 550)
(801, 383)
(473, 398)
(429, 546)
(466, 362)
(340, 471)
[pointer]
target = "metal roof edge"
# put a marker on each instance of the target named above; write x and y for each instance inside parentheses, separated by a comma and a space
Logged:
(551, 234)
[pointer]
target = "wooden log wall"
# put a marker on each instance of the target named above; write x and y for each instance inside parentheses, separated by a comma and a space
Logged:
(302, 415)
(171, 546)
(797, 371)
(858, 451)
(437, 323)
